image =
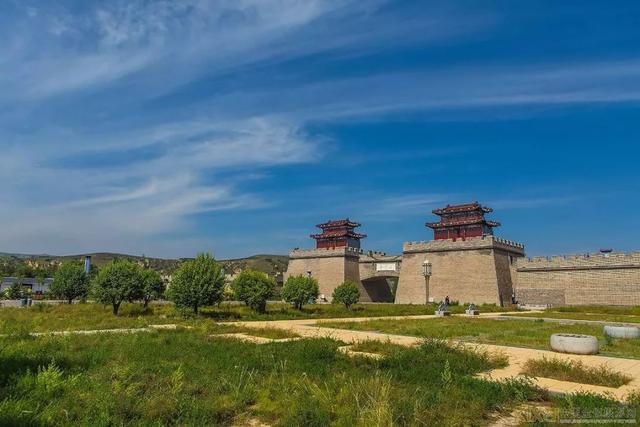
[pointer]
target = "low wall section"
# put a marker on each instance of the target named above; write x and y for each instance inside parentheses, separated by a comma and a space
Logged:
(601, 279)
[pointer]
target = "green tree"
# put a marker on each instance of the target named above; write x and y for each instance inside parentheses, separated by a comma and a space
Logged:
(15, 291)
(152, 284)
(23, 270)
(347, 293)
(254, 288)
(197, 283)
(117, 282)
(300, 290)
(69, 282)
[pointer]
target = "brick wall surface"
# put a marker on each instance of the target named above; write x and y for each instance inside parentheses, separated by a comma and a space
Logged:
(412, 286)
(465, 276)
(505, 274)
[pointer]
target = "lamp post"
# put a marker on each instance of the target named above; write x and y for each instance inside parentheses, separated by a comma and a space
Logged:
(426, 272)
(426, 268)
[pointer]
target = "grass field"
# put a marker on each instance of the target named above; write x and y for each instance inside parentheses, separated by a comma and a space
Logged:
(521, 333)
(43, 318)
(189, 377)
(186, 378)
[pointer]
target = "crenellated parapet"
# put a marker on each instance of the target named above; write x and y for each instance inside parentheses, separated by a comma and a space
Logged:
(508, 243)
(473, 243)
(325, 253)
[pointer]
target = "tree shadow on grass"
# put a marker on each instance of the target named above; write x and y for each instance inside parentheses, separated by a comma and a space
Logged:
(242, 312)
(13, 365)
(245, 313)
(217, 314)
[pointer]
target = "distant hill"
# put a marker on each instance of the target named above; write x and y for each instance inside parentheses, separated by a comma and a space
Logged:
(270, 264)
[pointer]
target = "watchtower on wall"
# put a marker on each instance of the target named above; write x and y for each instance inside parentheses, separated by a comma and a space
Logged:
(462, 221)
(464, 261)
(335, 259)
(338, 234)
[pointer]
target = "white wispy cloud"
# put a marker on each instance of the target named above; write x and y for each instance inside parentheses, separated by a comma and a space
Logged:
(471, 87)
(123, 206)
(52, 51)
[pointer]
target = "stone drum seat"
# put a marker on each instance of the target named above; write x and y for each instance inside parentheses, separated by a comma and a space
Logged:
(624, 332)
(574, 343)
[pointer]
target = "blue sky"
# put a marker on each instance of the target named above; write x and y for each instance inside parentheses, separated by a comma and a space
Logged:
(169, 128)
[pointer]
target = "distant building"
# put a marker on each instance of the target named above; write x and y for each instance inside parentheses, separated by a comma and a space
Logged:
(35, 285)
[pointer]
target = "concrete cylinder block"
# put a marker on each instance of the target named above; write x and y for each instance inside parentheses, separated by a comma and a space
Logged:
(625, 332)
(574, 343)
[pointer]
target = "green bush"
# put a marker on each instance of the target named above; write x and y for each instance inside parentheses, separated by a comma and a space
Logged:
(152, 284)
(197, 283)
(117, 282)
(254, 288)
(15, 291)
(300, 290)
(347, 293)
(70, 282)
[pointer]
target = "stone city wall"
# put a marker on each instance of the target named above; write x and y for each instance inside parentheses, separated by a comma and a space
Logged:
(479, 270)
(589, 279)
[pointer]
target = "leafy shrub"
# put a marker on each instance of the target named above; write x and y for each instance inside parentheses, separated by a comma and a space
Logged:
(254, 288)
(347, 293)
(300, 290)
(48, 382)
(70, 282)
(152, 284)
(117, 282)
(197, 283)
(276, 295)
(15, 291)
